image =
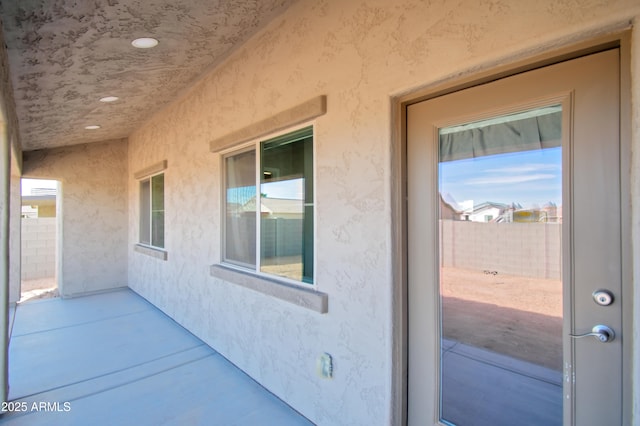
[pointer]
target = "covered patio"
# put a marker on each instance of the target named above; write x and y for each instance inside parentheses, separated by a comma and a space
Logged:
(139, 110)
(113, 358)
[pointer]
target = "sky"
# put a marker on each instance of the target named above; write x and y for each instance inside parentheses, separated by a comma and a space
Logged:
(291, 189)
(29, 184)
(528, 178)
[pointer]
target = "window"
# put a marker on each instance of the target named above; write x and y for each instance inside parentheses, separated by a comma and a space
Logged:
(268, 226)
(152, 211)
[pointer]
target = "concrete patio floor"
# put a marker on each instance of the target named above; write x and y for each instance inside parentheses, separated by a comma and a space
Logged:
(114, 359)
(484, 388)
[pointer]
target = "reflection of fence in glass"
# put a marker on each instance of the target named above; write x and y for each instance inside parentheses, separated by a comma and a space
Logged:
(281, 237)
(282, 243)
(282, 246)
(526, 249)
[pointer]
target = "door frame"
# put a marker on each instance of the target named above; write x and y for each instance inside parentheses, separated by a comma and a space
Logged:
(473, 77)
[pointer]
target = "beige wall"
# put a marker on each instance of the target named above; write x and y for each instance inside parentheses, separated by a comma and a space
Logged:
(633, 257)
(10, 165)
(93, 202)
(360, 54)
(14, 231)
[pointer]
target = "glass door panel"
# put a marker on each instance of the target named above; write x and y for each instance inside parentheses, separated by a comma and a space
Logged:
(500, 257)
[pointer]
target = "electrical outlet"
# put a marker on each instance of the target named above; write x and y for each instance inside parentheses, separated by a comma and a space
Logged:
(324, 366)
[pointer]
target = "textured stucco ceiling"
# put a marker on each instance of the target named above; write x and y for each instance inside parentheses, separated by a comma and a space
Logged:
(64, 55)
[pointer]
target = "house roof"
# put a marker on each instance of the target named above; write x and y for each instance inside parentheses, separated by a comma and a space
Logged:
(282, 205)
(276, 205)
(39, 200)
(489, 205)
(64, 55)
(448, 200)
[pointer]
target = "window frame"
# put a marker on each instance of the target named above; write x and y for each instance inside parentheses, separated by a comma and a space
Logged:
(245, 148)
(255, 145)
(149, 178)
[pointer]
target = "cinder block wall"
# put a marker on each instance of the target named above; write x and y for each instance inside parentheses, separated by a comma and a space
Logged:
(527, 249)
(38, 248)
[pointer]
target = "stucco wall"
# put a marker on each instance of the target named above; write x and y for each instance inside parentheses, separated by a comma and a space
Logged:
(634, 279)
(15, 219)
(360, 54)
(93, 203)
(10, 164)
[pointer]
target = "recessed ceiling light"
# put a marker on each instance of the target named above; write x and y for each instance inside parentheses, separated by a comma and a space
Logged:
(109, 99)
(144, 43)
(92, 127)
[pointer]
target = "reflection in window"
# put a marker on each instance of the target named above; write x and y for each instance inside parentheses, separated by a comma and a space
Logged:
(152, 211)
(286, 225)
(500, 239)
(285, 195)
(240, 229)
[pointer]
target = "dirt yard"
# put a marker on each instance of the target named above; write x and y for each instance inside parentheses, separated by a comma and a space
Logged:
(512, 315)
(43, 288)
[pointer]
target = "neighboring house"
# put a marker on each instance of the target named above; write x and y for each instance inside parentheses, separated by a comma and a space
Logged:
(485, 212)
(528, 216)
(38, 206)
(449, 209)
(549, 213)
(336, 94)
(276, 207)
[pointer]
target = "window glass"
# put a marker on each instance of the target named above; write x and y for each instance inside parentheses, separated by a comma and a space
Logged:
(152, 211)
(286, 219)
(145, 207)
(284, 189)
(157, 212)
(500, 257)
(240, 231)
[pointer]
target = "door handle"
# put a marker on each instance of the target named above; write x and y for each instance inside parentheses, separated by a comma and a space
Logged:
(601, 332)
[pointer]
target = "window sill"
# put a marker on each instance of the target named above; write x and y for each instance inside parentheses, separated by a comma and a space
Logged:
(303, 297)
(151, 251)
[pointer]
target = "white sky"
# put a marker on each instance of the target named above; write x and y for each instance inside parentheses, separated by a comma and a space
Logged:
(29, 184)
(528, 178)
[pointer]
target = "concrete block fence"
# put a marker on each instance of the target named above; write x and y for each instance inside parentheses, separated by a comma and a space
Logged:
(38, 248)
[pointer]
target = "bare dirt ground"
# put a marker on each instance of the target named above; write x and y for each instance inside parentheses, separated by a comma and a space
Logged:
(512, 315)
(290, 267)
(43, 288)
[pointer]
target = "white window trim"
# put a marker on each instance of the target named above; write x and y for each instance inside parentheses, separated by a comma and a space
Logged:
(146, 174)
(254, 145)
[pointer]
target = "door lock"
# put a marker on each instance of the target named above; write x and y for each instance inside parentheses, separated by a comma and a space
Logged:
(601, 332)
(603, 297)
